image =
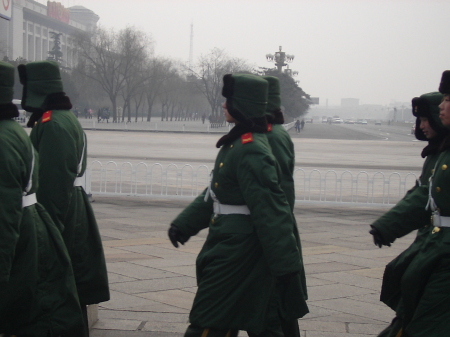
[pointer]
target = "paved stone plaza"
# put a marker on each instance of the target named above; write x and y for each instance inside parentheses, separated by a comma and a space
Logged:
(153, 283)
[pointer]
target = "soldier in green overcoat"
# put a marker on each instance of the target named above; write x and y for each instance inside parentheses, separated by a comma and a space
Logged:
(251, 249)
(62, 146)
(408, 214)
(38, 296)
(283, 150)
(416, 285)
(401, 219)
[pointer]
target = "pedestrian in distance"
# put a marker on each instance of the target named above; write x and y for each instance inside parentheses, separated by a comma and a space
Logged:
(251, 250)
(99, 115)
(283, 150)
(62, 146)
(106, 114)
(38, 296)
(297, 126)
(416, 284)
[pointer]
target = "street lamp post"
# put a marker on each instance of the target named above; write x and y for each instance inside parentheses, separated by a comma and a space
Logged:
(280, 58)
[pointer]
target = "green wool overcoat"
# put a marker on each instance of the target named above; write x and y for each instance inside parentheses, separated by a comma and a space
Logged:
(407, 215)
(283, 150)
(61, 144)
(419, 287)
(38, 296)
(243, 255)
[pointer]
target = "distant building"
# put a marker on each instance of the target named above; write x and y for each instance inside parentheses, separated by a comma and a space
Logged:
(360, 111)
(25, 29)
(349, 102)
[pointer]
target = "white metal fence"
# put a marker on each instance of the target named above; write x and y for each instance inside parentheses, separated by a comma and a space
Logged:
(156, 180)
(172, 126)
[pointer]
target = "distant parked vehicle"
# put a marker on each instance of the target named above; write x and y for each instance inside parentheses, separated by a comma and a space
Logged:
(361, 121)
(349, 121)
(378, 122)
(324, 119)
(337, 120)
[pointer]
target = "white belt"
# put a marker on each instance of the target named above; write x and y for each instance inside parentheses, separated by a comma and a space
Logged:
(230, 209)
(78, 181)
(28, 200)
(441, 221)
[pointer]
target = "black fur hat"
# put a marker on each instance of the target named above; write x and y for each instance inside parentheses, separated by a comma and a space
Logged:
(427, 105)
(444, 86)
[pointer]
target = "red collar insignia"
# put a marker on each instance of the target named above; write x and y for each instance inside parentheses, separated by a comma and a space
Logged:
(247, 138)
(47, 116)
(269, 127)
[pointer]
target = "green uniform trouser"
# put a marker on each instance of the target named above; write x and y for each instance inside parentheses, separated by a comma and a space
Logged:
(290, 328)
(394, 329)
(193, 331)
(269, 333)
(82, 331)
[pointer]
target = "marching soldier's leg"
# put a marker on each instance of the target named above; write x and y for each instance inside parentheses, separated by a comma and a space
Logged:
(290, 328)
(193, 331)
(80, 331)
(394, 329)
(278, 332)
(85, 320)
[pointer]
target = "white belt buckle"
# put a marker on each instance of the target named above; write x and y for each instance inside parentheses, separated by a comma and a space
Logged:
(28, 200)
(436, 219)
(78, 181)
(230, 209)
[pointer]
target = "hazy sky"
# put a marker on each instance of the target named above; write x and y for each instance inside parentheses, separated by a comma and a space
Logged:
(376, 50)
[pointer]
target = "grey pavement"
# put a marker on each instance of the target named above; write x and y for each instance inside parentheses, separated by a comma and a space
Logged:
(153, 284)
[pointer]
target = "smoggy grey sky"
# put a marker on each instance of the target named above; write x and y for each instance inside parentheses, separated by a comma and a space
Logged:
(376, 50)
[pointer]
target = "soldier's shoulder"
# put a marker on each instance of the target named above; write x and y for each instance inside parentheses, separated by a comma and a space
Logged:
(250, 143)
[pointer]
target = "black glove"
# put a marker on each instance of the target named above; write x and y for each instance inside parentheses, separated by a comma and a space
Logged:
(176, 236)
(378, 238)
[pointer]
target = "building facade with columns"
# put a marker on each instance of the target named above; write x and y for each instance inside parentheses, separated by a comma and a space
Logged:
(27, 27)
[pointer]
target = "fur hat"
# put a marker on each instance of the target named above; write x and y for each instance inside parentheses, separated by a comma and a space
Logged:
(444, 86)
(40, 79)
(427, 105)
(273, 96)
(273, 109)
(6, 83)
(246, 96)
(8, 110)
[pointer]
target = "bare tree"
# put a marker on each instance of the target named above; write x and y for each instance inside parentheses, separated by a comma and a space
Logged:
(91, 92)
(170, 94)
(157, 72)
(110, 59)
(209, 72)
(135, 46)
(139, 100)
